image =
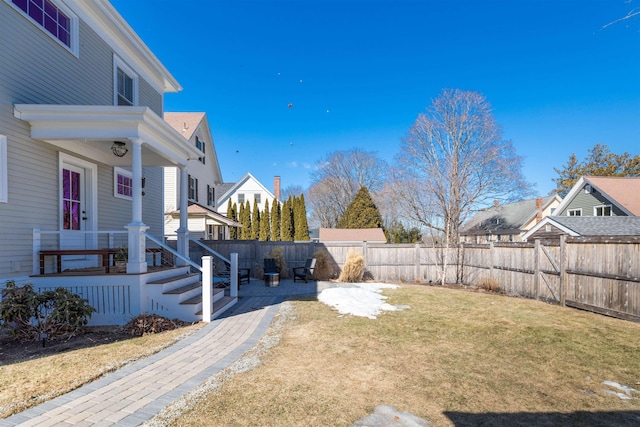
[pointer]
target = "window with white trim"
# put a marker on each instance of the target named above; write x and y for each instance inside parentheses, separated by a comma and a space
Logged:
(193, 188)
(604, 210)
(240, 197)
(257, 198)
(125, 84)
(53, 18)
(211, 196)
(201, 146)
(4, 174)
(574, 212)
(122, 183)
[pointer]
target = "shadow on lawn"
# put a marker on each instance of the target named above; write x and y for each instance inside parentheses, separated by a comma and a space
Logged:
(578, 418)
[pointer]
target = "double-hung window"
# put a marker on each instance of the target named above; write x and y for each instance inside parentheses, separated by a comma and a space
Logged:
(257, 198)
(122, 183)
(53, 18)
(240, 198)
(211, 196)
(574, 212)
(200, 145)
(125, 84)
(193, 188)
(604, 210)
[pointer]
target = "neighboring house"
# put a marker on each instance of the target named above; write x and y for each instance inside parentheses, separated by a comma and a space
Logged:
(202, 183)
(507, 223)
(552, 227)
(602, 196)
(82, 147)
(370, 235)
(247, 189)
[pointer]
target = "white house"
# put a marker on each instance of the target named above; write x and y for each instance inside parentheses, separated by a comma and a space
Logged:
(81, 134)
(248, 188)
(204, 178)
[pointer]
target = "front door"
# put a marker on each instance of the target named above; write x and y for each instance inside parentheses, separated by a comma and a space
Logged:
(76, 220)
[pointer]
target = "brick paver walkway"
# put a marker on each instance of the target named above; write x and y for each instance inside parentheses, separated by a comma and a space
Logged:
(139, 391)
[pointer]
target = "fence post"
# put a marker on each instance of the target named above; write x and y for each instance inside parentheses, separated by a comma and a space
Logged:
(536, 269)
(364, 254)
(207, 281)
(563, 268)
(233, 272)
(491, 256)
(416, 255)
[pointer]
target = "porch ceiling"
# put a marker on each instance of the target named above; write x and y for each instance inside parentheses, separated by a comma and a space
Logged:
(90, 131)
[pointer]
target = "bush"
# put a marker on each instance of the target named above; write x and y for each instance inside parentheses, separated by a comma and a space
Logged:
(489, 284)
(30, 315)
(146, 324)
(353, 269)
(323, 269)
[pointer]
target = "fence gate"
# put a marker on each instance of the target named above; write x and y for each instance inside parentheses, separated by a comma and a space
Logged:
(553, 278)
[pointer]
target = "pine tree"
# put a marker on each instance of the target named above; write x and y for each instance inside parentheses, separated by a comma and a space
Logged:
(300, 219)
(265, 223)
(286, 231)
(232, 214)
(255, 221)
(275, 221)
(362, 212)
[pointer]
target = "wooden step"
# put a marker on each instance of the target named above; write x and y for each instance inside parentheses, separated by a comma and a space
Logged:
(172, 279)
(198, 298)
(183, 289)
(218, 305)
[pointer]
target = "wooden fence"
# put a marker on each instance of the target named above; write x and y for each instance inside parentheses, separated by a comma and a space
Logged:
(597, 274)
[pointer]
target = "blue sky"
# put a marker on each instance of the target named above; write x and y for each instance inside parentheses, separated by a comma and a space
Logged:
(357, 73)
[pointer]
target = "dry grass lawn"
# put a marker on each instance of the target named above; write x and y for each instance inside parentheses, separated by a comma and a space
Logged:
(455, 357)
(28, 383)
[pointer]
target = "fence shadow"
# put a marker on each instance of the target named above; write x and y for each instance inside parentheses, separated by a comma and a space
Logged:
(543, 419)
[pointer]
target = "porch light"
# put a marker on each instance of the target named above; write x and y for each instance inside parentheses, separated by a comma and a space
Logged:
(119, 148)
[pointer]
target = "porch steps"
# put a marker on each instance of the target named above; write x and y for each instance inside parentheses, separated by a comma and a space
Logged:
(181, 295)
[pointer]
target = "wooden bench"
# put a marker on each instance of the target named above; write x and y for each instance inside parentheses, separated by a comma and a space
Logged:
(105, 253)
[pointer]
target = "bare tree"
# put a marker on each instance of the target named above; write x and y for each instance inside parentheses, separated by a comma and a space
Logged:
(454, 160)
(336, 180)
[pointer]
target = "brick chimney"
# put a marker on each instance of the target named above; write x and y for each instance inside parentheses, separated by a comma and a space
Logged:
(276, 187)
(538, 210)
(496, 202)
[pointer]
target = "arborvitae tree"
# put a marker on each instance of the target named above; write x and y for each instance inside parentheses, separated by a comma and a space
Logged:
(245, 220)
(275, 221)
(255, 221)
(265, 223)
(362, 212)
(300, 219)
(286, 232)
(232, 214)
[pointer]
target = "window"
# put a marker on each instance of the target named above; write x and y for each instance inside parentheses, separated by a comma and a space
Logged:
(604, 210)
(193, 188)
(122, 183)
(200, 145)
(211, 196)
(51, 16)
(125, 84)
(4, 175)
(257, 198)
(240, 197)
(574, 212)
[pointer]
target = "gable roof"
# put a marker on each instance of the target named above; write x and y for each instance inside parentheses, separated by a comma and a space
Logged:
(233, 187)
(352, 235)
(591, 225)
(185, 123)
(624, 192)
(505, 219)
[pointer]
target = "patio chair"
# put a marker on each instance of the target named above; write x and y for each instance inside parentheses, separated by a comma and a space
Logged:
(270, 266)
(244, 274)
(304, 272)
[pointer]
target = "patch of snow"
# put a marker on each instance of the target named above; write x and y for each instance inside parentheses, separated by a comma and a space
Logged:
(623, 391)
(359, 299)
(384, 416)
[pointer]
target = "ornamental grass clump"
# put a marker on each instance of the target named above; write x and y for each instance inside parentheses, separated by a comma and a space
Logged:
(353, 269)
(323, 269)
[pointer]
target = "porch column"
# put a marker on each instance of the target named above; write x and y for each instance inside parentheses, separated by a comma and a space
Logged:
(183, 231)
(137, 262)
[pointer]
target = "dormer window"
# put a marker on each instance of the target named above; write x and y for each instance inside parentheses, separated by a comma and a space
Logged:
(52, 17)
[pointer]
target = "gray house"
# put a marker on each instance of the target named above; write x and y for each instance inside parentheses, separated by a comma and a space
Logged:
(602, 196)
(82, 147)
(552, 227)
